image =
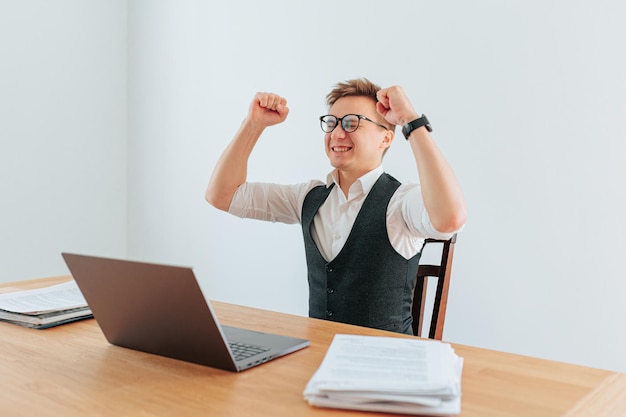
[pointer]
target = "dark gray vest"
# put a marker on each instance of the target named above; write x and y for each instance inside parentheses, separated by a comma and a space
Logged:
(368, 283)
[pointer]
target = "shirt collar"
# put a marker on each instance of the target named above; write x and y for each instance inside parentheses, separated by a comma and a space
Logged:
(366, 181)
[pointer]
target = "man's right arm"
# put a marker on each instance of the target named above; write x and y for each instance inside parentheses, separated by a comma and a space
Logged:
(231, 170)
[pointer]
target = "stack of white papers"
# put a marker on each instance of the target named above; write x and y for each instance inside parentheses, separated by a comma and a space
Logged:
(388, 374)
(44, 307)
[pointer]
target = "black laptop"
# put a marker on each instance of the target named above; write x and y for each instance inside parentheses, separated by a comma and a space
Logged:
(161, 309)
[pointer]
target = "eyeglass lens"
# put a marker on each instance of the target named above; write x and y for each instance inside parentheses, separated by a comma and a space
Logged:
(349, 123)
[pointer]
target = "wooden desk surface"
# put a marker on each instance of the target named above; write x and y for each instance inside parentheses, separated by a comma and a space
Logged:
(71, 370)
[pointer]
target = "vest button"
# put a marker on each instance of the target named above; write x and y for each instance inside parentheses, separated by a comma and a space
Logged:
(329, 268)
(330, 290)
(329, 313)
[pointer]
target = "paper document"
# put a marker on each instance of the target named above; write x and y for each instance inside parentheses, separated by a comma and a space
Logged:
(44, 307)
(56, 297)
(401, 375)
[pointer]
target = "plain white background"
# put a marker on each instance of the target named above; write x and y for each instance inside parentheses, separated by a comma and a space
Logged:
(113, 113)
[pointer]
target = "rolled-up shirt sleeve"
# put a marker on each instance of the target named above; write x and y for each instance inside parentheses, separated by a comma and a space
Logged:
(415, 215)
(271, 202)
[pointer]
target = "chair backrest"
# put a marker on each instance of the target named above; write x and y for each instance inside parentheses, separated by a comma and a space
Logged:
(441, 272)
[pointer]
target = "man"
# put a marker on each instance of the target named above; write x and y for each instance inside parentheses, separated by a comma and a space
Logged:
(363, 230)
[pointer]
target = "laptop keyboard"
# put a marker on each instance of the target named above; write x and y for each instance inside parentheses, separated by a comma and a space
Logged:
(243, 350)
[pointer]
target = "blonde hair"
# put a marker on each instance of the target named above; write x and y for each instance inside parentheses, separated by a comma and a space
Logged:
(356, 87)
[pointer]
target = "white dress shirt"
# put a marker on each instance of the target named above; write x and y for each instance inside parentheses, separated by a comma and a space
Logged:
(408, 222)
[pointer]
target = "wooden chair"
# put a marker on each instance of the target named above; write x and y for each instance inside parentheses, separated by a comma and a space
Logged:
(442, 274)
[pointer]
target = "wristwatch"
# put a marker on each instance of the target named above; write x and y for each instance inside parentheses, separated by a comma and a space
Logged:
(419, 122)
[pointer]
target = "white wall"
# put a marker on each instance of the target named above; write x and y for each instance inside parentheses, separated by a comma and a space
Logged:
(527, 100)
(63, 133)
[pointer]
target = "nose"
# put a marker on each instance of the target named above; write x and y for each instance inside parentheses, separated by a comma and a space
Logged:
(338, 132)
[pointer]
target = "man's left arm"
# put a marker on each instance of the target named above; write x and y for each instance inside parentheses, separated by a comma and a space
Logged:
(443, 198)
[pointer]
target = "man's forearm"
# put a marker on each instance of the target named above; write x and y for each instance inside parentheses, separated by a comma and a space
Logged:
(232, 167)
(441, 191)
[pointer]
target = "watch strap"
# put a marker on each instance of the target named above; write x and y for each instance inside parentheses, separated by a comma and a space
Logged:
(416, 124)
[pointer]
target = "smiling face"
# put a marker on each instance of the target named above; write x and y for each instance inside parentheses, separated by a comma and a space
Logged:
(356, 153)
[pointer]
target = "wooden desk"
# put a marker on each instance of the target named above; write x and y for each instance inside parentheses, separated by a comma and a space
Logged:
(72, 371)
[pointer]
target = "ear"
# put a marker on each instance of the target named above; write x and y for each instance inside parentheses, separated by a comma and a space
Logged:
(387, 139)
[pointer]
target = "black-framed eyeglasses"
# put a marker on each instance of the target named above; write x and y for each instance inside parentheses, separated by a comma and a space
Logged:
(349, 122)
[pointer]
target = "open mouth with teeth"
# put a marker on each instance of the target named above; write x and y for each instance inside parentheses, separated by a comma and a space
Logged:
(341, 148)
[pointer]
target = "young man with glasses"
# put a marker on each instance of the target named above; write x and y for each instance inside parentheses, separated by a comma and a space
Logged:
(363, 230)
